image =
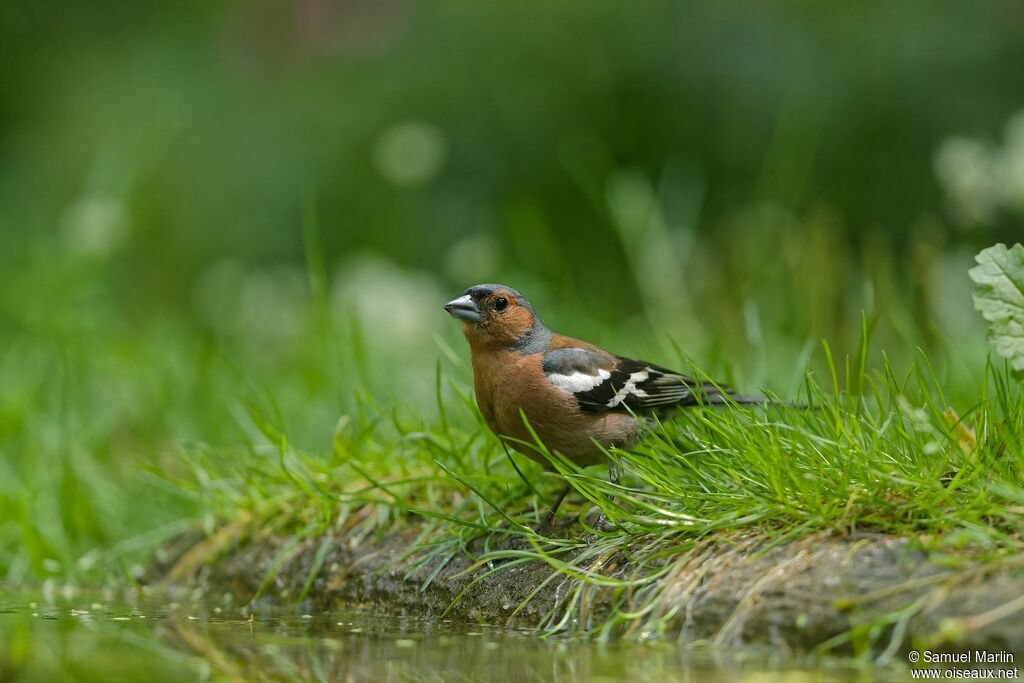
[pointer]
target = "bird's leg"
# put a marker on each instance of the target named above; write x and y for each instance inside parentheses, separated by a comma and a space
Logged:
(549, 518)
(602, 523)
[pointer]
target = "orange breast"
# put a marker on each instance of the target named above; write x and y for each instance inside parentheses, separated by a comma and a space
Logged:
(509, 385)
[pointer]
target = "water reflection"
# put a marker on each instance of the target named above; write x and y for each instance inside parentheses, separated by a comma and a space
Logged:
(75, 637)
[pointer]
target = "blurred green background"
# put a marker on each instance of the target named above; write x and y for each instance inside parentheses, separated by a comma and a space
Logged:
(205, 206)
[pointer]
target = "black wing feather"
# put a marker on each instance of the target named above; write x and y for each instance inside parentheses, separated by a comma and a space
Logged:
(638, 386)
(630, 385)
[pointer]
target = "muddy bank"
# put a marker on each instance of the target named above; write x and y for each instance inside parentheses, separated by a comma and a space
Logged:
(726, 591)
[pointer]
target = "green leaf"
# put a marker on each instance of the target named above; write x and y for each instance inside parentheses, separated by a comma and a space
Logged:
(999, 296)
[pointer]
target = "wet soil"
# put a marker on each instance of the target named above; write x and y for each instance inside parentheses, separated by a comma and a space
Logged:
(728, 592)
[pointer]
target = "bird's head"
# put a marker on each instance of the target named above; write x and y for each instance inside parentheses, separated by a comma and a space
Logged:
(497, 316)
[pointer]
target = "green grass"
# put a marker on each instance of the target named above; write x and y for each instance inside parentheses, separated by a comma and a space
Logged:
(283, 401)
(893, 459)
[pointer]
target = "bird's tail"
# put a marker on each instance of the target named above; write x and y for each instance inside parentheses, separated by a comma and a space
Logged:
(720, 395)
(718, 398)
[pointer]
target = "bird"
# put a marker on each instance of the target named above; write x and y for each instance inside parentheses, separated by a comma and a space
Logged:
(579, 399)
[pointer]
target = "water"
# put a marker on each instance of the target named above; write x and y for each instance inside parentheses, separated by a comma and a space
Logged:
(73, 635)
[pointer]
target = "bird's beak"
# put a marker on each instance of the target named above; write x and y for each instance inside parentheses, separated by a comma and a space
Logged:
(464, 308)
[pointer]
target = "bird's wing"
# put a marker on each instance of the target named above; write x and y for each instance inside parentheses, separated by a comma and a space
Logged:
(601, 381)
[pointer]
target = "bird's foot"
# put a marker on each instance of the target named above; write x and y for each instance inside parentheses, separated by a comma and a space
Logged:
(601, 524)
(546, 526)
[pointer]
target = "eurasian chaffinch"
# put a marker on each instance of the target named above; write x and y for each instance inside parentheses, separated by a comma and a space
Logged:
(577, 397)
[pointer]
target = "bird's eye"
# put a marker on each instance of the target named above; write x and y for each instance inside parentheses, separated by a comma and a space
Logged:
(501, 303)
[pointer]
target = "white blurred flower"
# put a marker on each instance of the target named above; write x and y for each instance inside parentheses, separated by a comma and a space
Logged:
(981, 179)
(399, 314)
(266, 307)
(1012, 164)
(393, 305)
(410, 153)
(966, 170)
(95, 226)
(274, 303)
(472, 259)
